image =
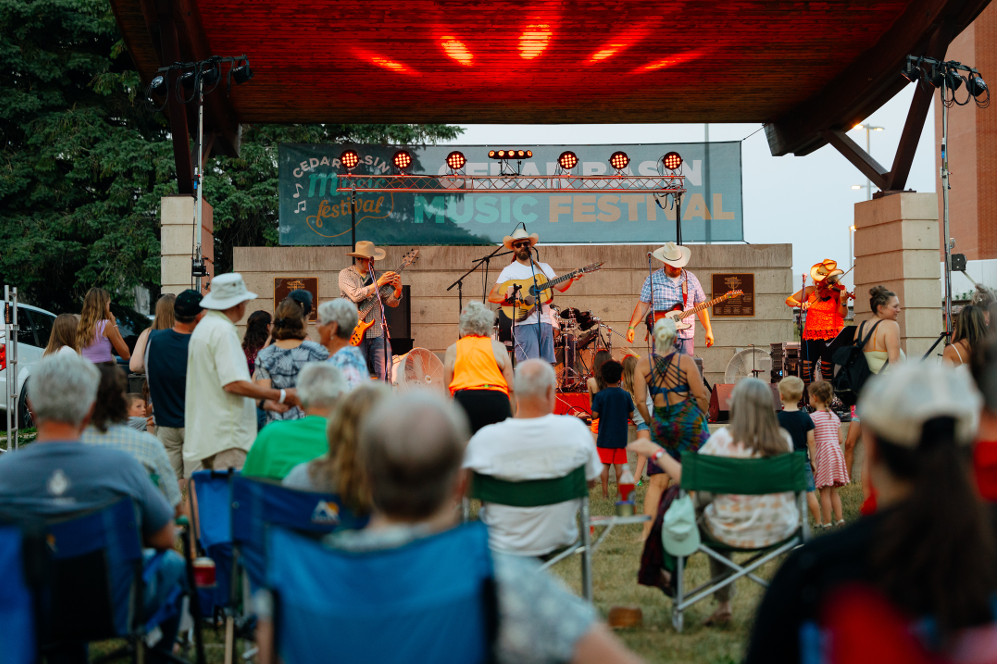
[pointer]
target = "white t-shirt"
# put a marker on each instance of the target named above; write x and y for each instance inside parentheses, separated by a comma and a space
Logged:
(518, 271)
(531, 449)
(215, 420)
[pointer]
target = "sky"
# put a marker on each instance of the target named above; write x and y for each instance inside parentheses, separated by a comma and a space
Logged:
(807, 201)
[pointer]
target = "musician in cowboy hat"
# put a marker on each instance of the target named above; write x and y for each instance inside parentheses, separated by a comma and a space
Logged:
(533, 333)
(825, 304)
(357, 285)
(665, 289)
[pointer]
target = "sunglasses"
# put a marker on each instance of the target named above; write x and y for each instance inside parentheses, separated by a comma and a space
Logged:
(518, 245)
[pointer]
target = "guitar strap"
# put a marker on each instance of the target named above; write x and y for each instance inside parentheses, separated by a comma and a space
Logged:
(684, 292)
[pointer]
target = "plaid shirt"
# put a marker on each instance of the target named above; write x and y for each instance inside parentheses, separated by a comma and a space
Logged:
(665, 292)
(352, 287)
(146, 449)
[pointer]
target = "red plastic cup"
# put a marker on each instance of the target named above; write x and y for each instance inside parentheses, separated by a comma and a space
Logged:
(204, 572)
(626, 491)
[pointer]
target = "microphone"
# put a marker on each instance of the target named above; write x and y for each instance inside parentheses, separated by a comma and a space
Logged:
(649, 254)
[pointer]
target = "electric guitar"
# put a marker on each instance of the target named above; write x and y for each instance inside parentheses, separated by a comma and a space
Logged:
(540, 290)
(358, 335)
(676, 313)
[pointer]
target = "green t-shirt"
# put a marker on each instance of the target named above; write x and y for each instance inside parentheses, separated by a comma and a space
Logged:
(280, 446)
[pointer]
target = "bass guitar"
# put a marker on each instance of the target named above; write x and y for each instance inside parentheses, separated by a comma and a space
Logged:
(358, 335)
(676, 313)
(539, 289)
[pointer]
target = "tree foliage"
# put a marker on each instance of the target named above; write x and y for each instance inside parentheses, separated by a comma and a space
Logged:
(84, 160)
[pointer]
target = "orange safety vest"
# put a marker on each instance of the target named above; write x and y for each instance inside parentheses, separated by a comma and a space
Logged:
(476, 366)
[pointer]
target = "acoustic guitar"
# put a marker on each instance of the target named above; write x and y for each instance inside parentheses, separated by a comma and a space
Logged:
(358, 335)
(538, 288)
(676, 313)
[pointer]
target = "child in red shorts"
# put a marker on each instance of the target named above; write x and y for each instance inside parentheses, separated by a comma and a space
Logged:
(614, 407)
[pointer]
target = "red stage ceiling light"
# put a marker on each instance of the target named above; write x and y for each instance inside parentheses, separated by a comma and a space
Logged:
(402, 160)
(672, 161)
(568, 160)
(619, 161)
(350, 159)
(455, 160)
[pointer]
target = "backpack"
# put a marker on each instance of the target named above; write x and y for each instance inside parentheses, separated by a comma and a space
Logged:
(850, 368)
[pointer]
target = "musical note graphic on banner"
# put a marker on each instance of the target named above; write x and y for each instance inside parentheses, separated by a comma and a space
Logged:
(298, 187)
(300, 207)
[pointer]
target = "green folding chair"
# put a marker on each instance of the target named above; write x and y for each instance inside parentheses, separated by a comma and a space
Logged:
(726, 475)
(539, 493)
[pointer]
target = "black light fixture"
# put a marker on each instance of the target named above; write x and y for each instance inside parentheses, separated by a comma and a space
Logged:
(568, 160)
(976, 84)
(509, 154)
(619, 161)
(672, 161)
(158, 86)
(911, 71)
(242, 73)
(952, 80)
(349, 159)
(455, 160)
(402, 160)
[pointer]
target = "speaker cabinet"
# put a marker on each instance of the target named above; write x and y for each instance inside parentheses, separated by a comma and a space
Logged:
(722, 393)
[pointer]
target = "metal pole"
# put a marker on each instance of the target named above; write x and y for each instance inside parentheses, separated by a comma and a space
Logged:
(10, 369)
(354, 206)
(197, 180)
(677, 213)
(868, 150)
(946, 228)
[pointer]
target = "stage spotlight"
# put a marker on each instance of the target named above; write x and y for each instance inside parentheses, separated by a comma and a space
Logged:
(976, 84)
(242, 74)
(158, 86)
(568, 160)
(953, 80)
(672, 161)
(455, 160)
(349, 159)
(402, 160)
(187, 80)
(911, 72)
(509, 154)
(210, 75)
(619, 161)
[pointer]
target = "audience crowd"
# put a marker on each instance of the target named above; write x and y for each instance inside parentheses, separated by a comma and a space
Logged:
(402, 462)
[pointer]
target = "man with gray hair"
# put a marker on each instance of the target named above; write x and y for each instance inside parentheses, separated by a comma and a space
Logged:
(337, 319)
(534, 444)
(59, 475)
(412, 447)
(284, 444)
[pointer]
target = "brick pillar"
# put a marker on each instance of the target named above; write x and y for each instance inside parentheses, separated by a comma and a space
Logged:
(177, 242)
(897, 244)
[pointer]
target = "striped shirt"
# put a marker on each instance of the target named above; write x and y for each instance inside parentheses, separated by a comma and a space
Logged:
(663, 292)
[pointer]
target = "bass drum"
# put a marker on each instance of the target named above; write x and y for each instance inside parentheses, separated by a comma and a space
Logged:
(418, 368)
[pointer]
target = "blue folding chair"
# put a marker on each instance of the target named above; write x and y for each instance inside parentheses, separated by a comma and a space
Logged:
(257, 504)
(17, 609)
(211, 499)
(431, 600)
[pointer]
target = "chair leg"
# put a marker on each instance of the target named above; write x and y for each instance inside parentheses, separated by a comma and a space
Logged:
(230, 642)
(678, 611)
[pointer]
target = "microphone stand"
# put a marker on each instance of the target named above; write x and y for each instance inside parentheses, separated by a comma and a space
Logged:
(386, 347)
(485, 260)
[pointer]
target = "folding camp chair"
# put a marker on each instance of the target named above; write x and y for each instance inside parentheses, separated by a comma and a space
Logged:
(97, 556)
(429, 600)
(539, 493)
(727, 475)
(17, 610)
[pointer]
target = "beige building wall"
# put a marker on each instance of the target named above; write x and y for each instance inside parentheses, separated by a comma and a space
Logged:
(177, 242)
(897, 245)
(610, 294)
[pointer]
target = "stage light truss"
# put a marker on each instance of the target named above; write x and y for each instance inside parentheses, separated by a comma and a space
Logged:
(548, 184)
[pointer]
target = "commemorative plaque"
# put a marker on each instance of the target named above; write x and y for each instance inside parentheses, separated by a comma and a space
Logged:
(735, 305)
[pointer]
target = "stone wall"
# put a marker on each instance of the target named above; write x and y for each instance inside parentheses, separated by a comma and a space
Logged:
(610, 294)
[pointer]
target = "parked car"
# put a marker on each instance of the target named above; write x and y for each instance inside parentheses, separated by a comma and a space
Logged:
(34, 328)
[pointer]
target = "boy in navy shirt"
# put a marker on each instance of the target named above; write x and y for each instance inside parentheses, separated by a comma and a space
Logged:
(613, 407)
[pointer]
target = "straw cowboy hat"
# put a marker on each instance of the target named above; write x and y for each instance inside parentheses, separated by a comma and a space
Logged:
(826, 268)
(228, 290)
(520, 234)
(673, 255)
(366, 249)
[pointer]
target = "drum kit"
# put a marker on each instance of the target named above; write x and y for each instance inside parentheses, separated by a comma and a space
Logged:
(577, 336)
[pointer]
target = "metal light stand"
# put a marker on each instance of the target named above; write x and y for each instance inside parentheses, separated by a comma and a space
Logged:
(677, 214)
(11, 396)
(945, 225)
(354, 223)
(386, 345)
(198, 264)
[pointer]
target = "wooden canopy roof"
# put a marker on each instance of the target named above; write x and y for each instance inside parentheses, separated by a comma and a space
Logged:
(809, 70)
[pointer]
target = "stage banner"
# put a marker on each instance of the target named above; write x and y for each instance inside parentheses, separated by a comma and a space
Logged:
(312, 212)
